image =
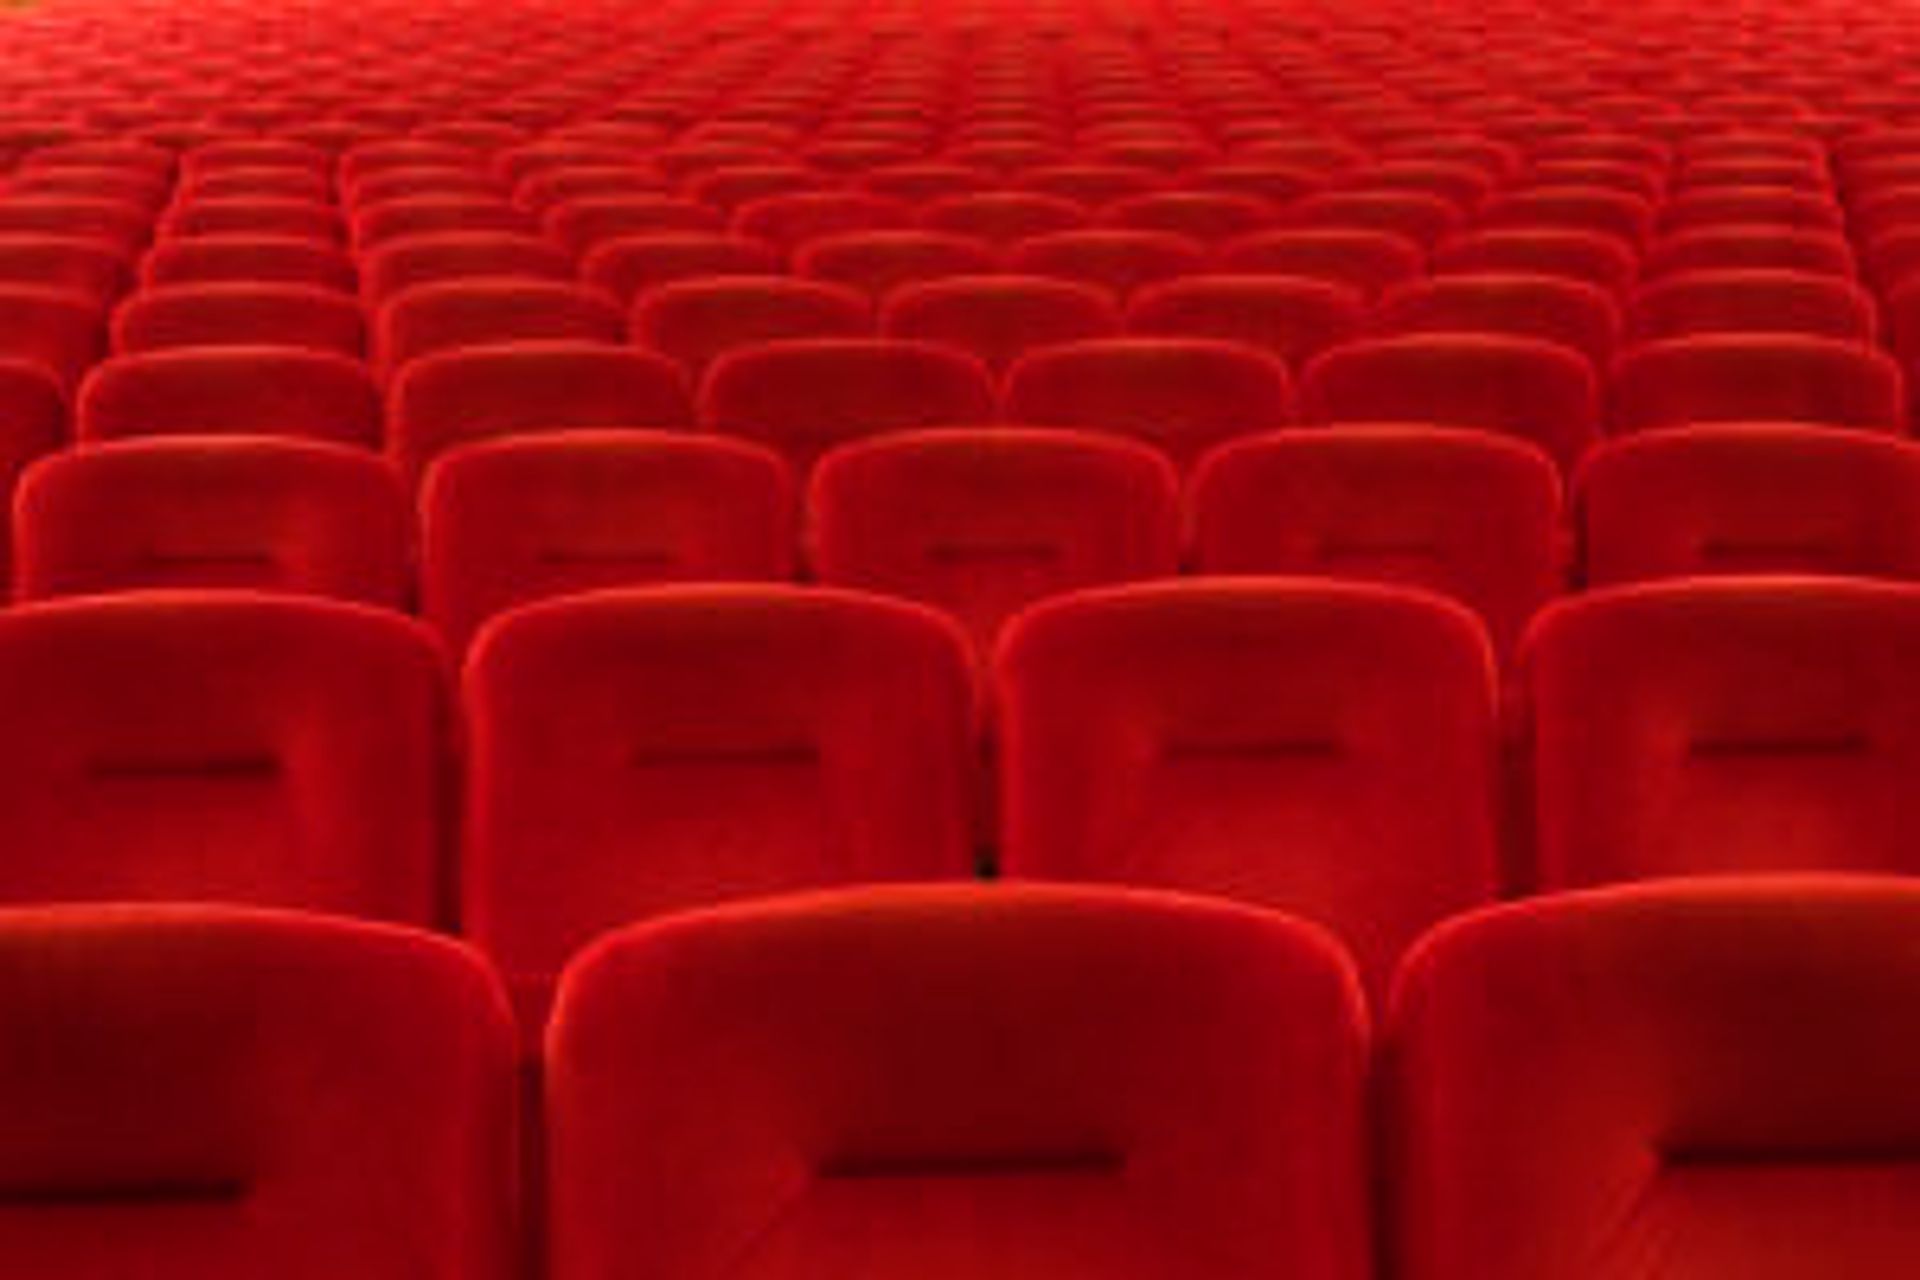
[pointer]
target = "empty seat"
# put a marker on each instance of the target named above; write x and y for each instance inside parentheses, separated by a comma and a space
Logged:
(1204, 215)
(518, 518)
(1005, 217)
(636, 752)
(456, 397)
(240, 314)
(1753, 301)
(263, 259)
(1319, 747)
(1181, 394)
(230, 391)
(224, 746)
(378, 221)
(251, 184)
(1749, 499)
(254, 216)
(802, 397)
(1471, 515)
(1593, 209)
(585, 222)
(418, 182)
(267, 513)
(877, 262)
(1597, 257)
(60, 330)
(1772, 206)
(546, 188)
(1416, 215)
(485, 311)
(1756, 377)
(791, 220)
(1574, 313)
(1119, 261)
(210, 1086)
(98, 271)
(453, 255)
(125, 226)
(983, 523)
(627, 266)
(1685, 1079)
(977, 1133)
(1000, 317)
(695, 321)
(1366, 260)
(1092, 182)
(1526, 387)
(1724, 725)
(1293, 317)
(1744, 247)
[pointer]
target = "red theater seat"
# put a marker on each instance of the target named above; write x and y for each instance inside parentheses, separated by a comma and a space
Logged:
(242, 259)
(1599, 210)
(519, 518)
(252, 184)
(126, 226)
(1471, 515)
(1572, 313)
(484, 311)
(1000, 317)
(982, 523)
(1181, 394)
(1215, 1055)
(240, 314)
(457, 397)
(1725, 725)
(1205, 215)
(877, 262)
(791, 220)
(266, 513)
(1753, 301)
(1749, 499)
(696, 321)
(1525, 387)
(1118, 261)
(210, 1088)
(626, 267)
(1596, 257)
(583, 223)
(1323, 748)
(453, 255)
(60, 330)
(1367, 260)
(640, 751)
(254, 216)
(1683, 1079)
(90, 268)
(1771, 206)
(1756, 377)
(1742, 247)
(1004, 217)
(803, 397)
(230, 391)
(1293, 317)
(224, 746)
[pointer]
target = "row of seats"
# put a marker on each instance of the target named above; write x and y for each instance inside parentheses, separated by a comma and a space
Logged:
(1711, 1078)
(1328, 748)
(978, 523)
(802, 396)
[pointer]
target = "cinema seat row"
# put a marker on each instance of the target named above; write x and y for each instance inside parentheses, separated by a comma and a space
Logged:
(965, 1081)
(1336, 750)
(977, 522)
